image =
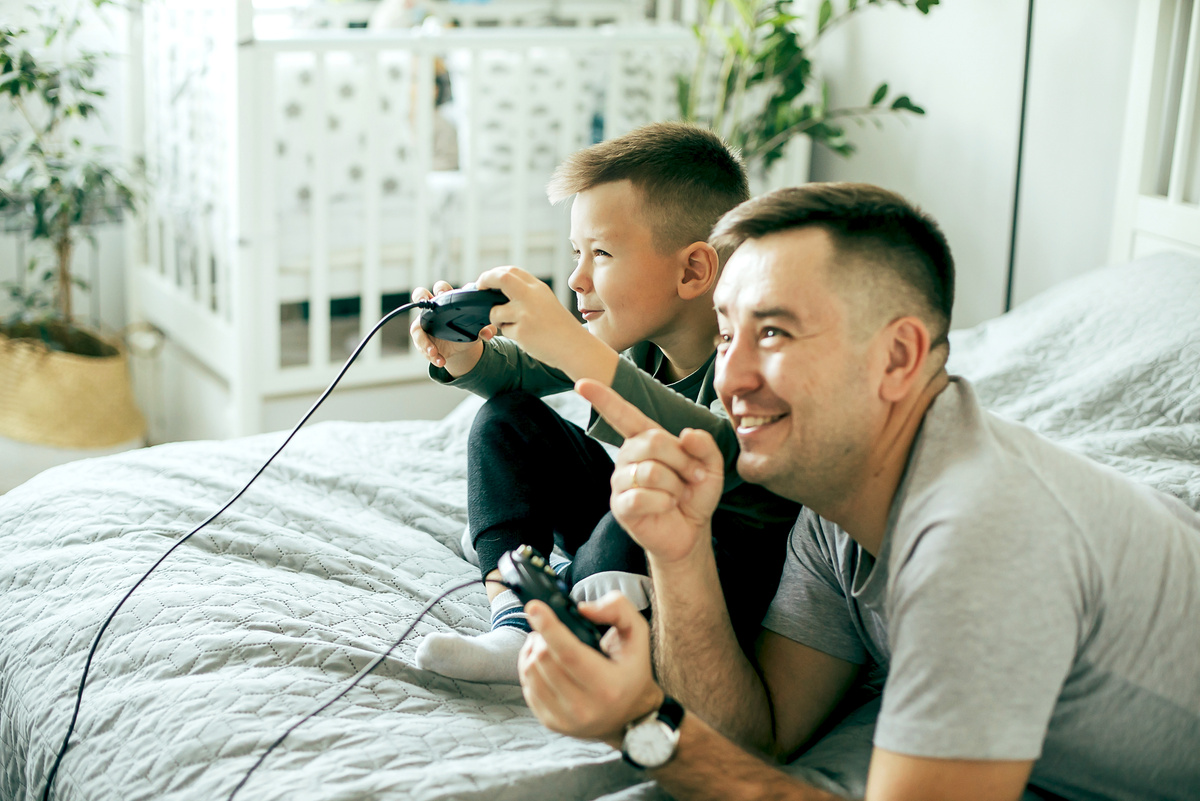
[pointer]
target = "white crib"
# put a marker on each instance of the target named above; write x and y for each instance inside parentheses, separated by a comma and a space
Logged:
(304, 182)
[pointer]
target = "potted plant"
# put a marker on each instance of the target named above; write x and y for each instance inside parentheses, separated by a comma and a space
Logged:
(62, 383)
(754, 81)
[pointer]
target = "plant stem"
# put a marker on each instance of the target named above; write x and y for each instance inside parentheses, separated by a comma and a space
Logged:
(63, 248)
(743, 75)
(705, 28)
(834, 21)
(801, 127)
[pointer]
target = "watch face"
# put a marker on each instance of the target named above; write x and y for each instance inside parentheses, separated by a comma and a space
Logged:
(651, 744)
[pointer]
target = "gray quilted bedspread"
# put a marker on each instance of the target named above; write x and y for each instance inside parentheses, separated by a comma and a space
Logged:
(329, 557)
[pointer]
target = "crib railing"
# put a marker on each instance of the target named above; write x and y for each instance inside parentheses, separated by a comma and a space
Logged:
(1158, 191)
(257, 232)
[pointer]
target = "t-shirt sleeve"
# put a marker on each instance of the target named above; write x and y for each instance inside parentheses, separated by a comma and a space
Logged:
(668, 408)
(810, 606)
(504, 367)
(982, 631)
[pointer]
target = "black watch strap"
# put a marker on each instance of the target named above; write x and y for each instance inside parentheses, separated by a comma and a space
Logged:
(671, 712)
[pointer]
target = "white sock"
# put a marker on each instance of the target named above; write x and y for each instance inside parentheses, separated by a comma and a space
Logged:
(635, 587)
(468, 547)
(490, 657)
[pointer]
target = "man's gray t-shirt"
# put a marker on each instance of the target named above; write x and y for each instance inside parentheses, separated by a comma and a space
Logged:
(1026, 603)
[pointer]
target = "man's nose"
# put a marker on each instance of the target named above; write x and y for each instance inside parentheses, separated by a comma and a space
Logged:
(737, 369)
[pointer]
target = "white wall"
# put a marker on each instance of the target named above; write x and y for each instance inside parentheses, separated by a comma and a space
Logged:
(1079, 76)
(964, 64)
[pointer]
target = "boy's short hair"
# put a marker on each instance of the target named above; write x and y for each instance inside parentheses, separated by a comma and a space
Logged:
(870, 227)
(686, 175)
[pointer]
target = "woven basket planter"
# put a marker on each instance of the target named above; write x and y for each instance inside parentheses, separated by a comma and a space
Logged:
(50, 397)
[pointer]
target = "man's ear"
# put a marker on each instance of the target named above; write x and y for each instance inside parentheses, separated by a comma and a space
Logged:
(906, 341)
(701, 268)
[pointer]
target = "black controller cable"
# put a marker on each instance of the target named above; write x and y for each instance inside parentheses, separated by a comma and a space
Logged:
(362, 674)
(423, 304)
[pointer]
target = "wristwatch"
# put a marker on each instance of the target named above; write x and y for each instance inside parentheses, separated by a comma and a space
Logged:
(650, 742)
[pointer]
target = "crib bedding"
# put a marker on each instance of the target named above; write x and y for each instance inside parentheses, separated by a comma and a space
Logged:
(329, 557)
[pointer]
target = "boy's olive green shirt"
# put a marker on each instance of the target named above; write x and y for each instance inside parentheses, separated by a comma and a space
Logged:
(504, 367)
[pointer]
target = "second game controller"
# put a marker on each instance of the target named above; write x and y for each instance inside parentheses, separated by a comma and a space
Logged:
(527, 574)
(460, 314)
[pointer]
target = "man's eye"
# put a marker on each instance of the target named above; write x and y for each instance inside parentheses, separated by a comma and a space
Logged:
(722, 342)
(771, 333)
(600, 253)
(575, 254)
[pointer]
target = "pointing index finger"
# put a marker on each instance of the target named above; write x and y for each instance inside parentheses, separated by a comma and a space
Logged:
(625, 418)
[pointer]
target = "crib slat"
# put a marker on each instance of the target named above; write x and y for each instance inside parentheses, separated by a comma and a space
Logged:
(370, 300)
(662, 11)
(318, 305)
(471, 100)
(613, 95)
(569, 141)
(267, 74)
(519, 252)
(1185, 147)
(422, 163)
(659, 84)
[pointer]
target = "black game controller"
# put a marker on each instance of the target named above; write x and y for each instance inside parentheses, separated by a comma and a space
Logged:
(460, 314)
(526, 573)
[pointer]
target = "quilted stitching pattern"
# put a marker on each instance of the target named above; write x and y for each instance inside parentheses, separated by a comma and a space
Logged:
(273, 607)
(1107, 364)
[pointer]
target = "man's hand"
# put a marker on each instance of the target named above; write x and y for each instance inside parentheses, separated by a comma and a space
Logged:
(576, 691)
(459, 358)
(536, 320)
(664, 488)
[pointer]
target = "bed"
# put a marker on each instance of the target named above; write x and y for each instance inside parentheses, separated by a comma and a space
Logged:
(328, 558)
(319, 568)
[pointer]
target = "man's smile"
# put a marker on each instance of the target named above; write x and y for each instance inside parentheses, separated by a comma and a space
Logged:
(750, 423)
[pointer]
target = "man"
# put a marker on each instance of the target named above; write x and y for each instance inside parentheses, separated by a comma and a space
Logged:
(1036, 613)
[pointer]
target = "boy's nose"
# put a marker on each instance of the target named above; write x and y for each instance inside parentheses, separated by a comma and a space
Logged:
(580, 280)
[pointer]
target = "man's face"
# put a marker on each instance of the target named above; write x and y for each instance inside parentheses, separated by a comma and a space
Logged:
(792, 371)
(625, 289)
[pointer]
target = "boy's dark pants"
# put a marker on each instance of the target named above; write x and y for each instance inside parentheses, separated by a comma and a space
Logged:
(534, 478)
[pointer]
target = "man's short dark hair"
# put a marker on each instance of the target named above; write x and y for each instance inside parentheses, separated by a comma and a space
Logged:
(686, 175)
(870, 225)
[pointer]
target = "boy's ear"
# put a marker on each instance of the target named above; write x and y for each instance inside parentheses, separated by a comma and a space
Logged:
(701, 268)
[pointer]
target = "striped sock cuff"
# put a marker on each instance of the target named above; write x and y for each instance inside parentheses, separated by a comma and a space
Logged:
(558, 562)
(512, 617)
(507, 610)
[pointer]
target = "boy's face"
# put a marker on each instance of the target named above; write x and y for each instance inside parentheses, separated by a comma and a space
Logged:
(625, 289)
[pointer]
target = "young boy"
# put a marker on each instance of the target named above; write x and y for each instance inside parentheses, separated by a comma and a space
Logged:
(644, 206)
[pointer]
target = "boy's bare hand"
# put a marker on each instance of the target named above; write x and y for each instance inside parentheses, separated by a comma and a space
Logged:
(459, 358)
(664, 488)
(534, 318)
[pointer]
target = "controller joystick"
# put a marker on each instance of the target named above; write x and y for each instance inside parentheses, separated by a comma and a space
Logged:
(460, 314)
(527, 573)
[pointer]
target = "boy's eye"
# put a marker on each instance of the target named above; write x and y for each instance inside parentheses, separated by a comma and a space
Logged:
(600, 253)
(722, 342)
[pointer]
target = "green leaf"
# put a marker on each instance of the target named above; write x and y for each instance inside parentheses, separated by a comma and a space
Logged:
(824, 15)
(924, 5)
(903, 103)
(880, 94)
